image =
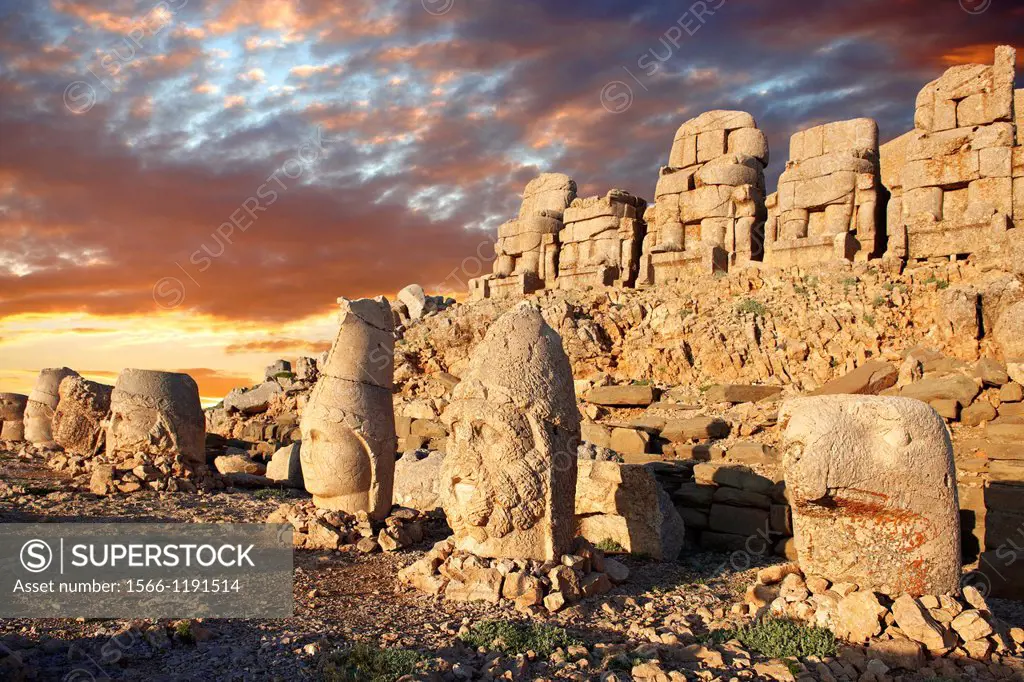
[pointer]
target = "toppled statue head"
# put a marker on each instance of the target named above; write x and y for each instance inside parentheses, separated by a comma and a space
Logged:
(348, 426)
(509, 478)
(872, 484)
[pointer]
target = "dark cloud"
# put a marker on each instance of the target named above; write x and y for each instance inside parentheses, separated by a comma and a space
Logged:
(433, 125)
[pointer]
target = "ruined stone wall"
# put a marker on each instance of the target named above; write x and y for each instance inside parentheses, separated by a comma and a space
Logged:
(951, 187)
(709, 209)
(601, 240)
(956, 176)
(526, 253)
(828, 203)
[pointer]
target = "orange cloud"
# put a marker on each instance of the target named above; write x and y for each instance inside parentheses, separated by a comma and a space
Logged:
(284, 346)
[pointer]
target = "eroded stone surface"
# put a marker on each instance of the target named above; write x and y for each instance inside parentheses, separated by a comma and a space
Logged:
(156, 413)
(12, 416)
(417, 480)
(873, 489)
(625, 504)
(509, 478)
(526, 254)
(601, 241)
(953, 182)
(827, 204)
(348, 426)
(78, 422)
(42, 401)
(709, 209)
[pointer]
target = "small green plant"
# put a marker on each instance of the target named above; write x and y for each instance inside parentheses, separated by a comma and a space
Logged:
(811, 281)
(751, 306)
(869, 318)
(366, 663)
(685, 312)
(609, 545)
(800, 289)
(720, 636)
(888, 286)
(850, 281)
(640, 382)
(939, 283)
(512, 638)
(183, 631)
(781, 638)
(878, 301)
(271, 494)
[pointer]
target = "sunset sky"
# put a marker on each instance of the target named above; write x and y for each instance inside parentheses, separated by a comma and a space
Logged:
(190, 184)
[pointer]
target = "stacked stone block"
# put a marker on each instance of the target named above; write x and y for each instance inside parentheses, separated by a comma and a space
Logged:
(526, 254)
(729, 508)
(601, 241)
(827, 204)
(709, 209)
(957, 182)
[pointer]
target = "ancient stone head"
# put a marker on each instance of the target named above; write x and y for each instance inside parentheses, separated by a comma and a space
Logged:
(508, 480)
(41, 403)
(872, 485)
(158, 413)
(348, 427)
(78, 420)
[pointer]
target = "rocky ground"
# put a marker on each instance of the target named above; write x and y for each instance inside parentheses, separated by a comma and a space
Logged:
(656, 626)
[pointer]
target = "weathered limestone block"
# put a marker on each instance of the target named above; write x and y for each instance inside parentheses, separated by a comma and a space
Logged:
(79, 420)
(872, 486)
(306, 369)
(277, 367)
(157, 413)
(286, 466)
(828, 205)
(1009, 332)
(42, 401)
(956, 187)
(548, 193)
(601, 241)
(871, 378)
(625, 503)
(526, 253)
(416, 301)
(12, 416)
(709, 208)
(253, 400)
(418, 480)
(509, 479)
(348, 427)
(631, 395)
